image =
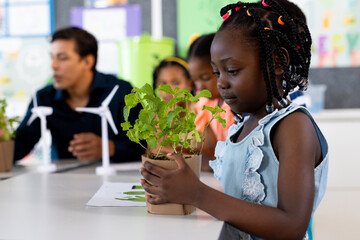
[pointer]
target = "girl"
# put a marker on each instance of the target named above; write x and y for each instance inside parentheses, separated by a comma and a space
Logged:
(172, 71)
(199, 61)
(273, 165)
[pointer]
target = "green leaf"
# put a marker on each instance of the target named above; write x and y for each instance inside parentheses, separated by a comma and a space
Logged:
(131, 100)
(126, 126)
(210, 109)
(204, 93)
(166, 89)
(221, 121)
(146, 117)
(147, 90)
(152, 142)
(197, 136)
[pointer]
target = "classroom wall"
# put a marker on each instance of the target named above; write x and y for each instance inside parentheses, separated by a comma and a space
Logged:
(343, 84)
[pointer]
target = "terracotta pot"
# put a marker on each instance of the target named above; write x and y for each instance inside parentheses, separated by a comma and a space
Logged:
(194, 162)
(6, 155)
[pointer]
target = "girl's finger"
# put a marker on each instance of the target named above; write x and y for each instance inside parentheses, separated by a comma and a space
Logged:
(178, 159)
(155, 199)
(150, 188)
(155, 170)
(151, 178)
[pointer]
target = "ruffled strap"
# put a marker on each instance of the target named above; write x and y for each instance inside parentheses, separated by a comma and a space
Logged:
(216, 164)
(253, 188)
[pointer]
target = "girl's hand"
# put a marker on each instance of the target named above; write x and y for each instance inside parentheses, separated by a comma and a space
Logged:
(176, 186)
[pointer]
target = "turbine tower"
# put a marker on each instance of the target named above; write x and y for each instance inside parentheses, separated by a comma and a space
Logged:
(106, 117)
(42, 112)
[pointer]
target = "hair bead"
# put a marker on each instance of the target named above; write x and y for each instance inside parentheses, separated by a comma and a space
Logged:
(248, 13)
(225, 16)
(265, 4)
(280, 21)
(283, 102)
(269, 108)
(266, 28)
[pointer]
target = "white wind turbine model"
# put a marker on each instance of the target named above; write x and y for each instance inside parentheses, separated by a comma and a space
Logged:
(106, 117)
(41, 112)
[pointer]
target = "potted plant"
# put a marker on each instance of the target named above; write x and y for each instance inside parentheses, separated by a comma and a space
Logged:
(7, 132)
(163, 123)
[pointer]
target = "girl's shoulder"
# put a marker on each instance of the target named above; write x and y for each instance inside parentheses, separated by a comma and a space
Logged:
(296, 131)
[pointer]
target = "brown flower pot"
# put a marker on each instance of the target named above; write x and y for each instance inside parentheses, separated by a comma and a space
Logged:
(194, 162)
(6, 155)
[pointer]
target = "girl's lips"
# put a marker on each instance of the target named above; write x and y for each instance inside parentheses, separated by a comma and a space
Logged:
(230, 100)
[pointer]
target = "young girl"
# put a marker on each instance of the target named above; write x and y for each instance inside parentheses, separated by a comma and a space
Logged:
(273, 165)
(201, 72)
(172, 71)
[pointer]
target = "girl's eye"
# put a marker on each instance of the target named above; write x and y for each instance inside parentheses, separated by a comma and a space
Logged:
(232, 72)
(175, 83)
(217, 74)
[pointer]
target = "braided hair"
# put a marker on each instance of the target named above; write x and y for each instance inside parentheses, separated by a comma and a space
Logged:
(271, 28)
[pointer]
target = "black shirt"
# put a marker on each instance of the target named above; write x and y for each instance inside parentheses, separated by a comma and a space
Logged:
(65, 122)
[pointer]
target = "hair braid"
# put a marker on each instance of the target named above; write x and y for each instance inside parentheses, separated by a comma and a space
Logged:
(265, 58)
(286, 74)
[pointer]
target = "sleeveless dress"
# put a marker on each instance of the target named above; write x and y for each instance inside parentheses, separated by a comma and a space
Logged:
(249, 169)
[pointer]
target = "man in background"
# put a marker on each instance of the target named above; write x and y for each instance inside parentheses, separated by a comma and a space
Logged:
(78, 84)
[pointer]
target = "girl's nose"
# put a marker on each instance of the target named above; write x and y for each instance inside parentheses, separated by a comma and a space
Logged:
(200, 86)
(222, 83)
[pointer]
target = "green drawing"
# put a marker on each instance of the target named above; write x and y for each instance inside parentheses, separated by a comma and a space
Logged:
(137, 187)
(133, 199)
(135, 193)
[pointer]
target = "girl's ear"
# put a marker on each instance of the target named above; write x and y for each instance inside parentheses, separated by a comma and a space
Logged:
(277, 60)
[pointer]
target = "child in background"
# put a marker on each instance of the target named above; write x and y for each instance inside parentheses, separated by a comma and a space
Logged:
(172, 71)
(274, 164)
(201, 72)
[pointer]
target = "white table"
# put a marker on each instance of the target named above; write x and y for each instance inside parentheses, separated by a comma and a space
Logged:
(53, 206)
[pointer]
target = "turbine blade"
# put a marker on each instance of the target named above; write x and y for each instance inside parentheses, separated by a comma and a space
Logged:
(46, 111)
(110, 96)
(34, 99)
(89, 110)
(110, 120)
(31, 119)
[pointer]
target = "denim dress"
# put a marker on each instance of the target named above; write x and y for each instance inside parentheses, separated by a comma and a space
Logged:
(249, 169)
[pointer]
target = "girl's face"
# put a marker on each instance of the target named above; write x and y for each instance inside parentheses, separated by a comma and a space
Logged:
(201, 73)
(175, 77)
(237, 65)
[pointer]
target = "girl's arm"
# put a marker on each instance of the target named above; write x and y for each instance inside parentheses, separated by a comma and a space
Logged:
(297, 147)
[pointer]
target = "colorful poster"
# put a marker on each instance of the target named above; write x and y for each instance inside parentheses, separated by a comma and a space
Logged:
(335, 29)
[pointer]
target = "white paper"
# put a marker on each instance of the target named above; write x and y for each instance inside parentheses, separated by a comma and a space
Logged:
(106, 24)
(34, 20)
(118, 194)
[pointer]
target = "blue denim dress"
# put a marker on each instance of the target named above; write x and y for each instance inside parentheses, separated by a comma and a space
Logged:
(249, 169)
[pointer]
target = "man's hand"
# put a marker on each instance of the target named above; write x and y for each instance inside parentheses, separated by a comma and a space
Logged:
(88, 147)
